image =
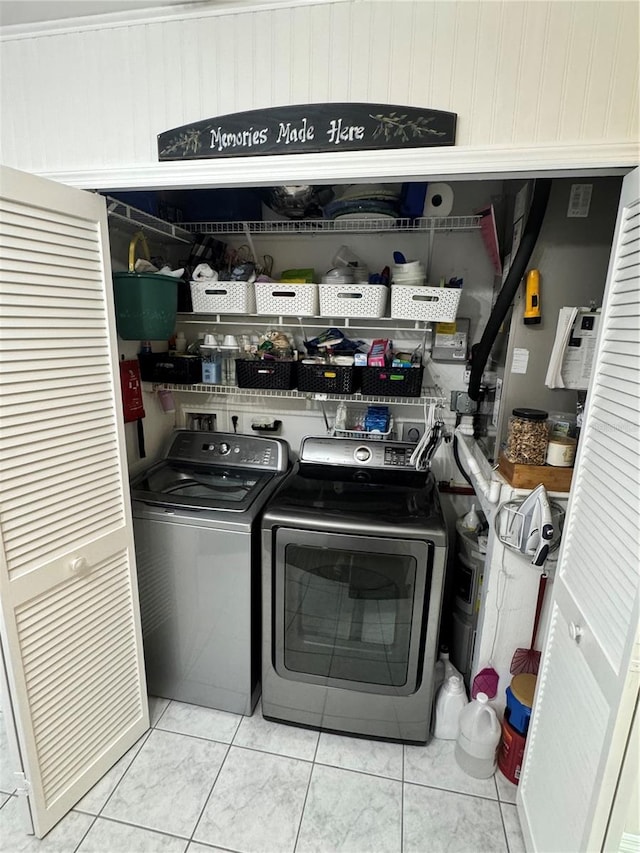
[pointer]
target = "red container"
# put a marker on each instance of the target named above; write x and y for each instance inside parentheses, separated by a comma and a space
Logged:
(511, 752)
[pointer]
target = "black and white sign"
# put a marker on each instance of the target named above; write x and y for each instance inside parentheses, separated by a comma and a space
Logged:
(309, 129)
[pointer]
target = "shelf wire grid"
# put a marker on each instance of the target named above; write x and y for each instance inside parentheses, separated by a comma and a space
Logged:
(126, 213)
(330, 226)
(431, 394)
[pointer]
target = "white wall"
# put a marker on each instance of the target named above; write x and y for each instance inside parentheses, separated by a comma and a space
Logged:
(546, 82)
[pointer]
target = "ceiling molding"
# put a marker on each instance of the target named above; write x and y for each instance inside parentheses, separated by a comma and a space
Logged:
(416, 164)
(151, 14)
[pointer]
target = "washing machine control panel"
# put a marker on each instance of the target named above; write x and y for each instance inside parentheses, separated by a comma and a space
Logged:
(243, 451)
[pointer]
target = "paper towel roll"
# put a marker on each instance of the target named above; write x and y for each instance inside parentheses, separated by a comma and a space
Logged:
(439, 200)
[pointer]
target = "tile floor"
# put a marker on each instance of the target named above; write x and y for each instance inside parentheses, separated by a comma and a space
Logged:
(202, 780)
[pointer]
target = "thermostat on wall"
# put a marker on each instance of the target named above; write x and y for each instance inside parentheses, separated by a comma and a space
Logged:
(450, 341)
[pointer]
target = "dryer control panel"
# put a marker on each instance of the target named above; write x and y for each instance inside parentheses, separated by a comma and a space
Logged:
(356, 453)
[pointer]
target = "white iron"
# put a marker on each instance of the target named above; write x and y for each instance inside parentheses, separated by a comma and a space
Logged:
(530, 528)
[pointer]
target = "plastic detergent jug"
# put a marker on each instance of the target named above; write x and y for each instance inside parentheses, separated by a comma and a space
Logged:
(450, 701)
(443, 669)
(478, 738)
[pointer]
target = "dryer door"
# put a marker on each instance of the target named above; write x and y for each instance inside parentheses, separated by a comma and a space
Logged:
(350, 611)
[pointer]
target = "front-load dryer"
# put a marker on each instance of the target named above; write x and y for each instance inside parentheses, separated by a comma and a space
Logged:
(354, 547)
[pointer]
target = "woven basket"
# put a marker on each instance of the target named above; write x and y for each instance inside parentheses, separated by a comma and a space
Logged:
(432, 304)
(353, 300)
(223, 297)
(294, 300)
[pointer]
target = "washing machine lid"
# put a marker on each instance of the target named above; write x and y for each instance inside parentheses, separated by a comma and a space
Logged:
(200, 487)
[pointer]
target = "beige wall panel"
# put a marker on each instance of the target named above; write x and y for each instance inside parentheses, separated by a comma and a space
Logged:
(517, 73)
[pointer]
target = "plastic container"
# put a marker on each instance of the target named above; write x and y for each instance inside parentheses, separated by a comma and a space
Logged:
(353, 300)
(471, 521)
(170, 367)
(511, 752)
(433, 304)
(145, 305)
(328, 378)
(223, 297)
(297, 300)
(527, 437)
(478, 738)
(561, 451)
(450, 701)
(392, 381)
(520, 695)
(273, 375)
(443, 669)
(212, 370)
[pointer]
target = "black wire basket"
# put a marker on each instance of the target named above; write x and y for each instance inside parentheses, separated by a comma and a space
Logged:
(270, 375)
(328, 378)
(392, 381)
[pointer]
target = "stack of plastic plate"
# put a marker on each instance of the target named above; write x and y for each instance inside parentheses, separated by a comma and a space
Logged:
(411, 273)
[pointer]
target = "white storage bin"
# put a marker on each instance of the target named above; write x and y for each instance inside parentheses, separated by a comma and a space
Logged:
(223, 297)
(353, 300)
(298, 300)
(433, 304)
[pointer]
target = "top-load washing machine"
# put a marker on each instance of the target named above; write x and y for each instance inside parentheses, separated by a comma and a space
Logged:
(354, 547)
(196, 531)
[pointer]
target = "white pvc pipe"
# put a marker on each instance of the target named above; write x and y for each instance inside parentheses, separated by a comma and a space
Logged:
(489, 488)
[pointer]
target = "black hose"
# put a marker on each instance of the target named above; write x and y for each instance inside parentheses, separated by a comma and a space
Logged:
(456, 456)
(481, 350)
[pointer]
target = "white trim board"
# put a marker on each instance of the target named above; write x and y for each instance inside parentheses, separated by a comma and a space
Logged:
(150, 14)
(329, 168)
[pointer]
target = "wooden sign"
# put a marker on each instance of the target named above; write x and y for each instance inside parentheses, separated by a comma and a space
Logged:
(309, 129)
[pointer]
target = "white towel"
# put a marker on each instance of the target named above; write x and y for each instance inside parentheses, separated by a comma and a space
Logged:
(203, 272)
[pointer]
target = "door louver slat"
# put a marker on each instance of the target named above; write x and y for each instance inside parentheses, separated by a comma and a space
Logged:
(96, 435)
(19, 214)
(68, 538)
(85, 718)
(82, 693)
(128, 710)
(86, 742)
(73, 640)
(48, 233)
(46, 610)
(607, 485)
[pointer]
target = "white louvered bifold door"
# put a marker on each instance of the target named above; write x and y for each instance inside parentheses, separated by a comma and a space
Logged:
(588, 681)
(70, 623)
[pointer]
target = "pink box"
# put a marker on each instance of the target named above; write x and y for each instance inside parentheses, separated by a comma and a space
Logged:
(379, 353)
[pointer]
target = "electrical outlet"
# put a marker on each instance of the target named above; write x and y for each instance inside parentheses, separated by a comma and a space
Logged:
(462, 403)
(467, 375)
(412, 431)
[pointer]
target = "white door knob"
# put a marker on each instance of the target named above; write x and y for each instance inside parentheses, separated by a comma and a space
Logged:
(78, 565)
(575, 632)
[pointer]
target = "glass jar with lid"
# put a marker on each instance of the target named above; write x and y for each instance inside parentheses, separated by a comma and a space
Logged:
(527, 437)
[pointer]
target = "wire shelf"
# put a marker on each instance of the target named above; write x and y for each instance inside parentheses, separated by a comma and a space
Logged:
(260, 320)
(138, 218)
(330, 226)
(431, 395)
